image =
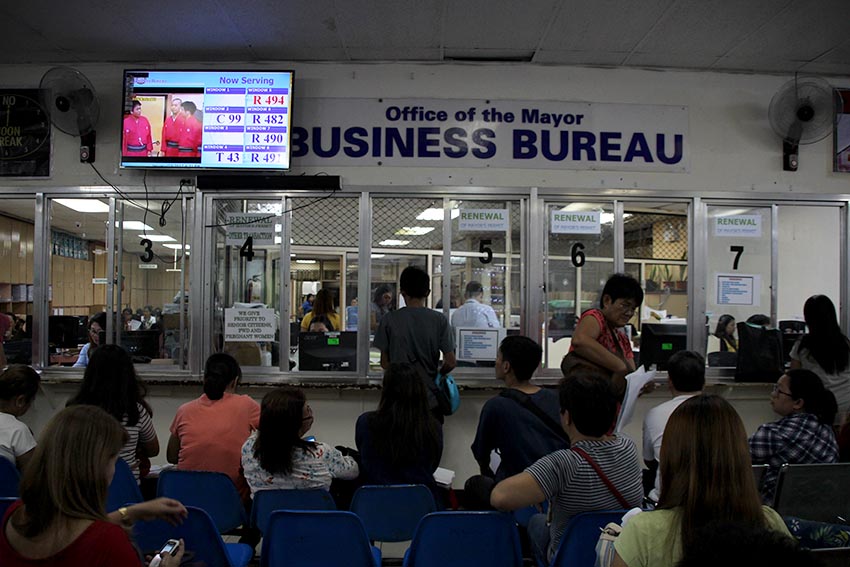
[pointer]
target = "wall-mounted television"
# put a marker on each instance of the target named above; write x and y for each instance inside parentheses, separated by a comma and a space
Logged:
(216, 120)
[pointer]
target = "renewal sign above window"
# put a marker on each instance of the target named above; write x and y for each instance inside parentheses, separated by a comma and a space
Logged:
(494, 133)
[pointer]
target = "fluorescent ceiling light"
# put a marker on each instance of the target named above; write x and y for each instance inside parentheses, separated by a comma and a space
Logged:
(392, 242)
(135, 225)
(436, 214)
(378, 255)
(305, 261)
(159, 238)
(278, 227)
(414, 230)
(84, 205)
(177, 246)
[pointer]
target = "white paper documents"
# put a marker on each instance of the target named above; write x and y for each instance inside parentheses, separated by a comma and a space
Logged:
(634, 383)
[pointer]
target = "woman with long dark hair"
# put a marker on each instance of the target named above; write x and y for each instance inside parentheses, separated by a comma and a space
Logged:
(706, 477)
(401, 442)
(323, 306)
(61, 517)
(110, 383)
(725, 331)
(278, 456)
(825, 350)
(803, 435)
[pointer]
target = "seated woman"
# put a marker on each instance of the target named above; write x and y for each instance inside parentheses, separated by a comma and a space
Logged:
(803, 435)
(97, 323)
(725, 331)
(706, 477)
(277, 456)
(60, 519)
(401, 442)
(18, 386)
(825, 350)
(597, 338)
(110, 382)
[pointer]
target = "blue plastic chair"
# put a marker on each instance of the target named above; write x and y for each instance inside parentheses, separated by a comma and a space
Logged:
(5, 502)
(465, 539)
(317, 538)
(9, 478)
(123, 490)
(213, 492)
(578, 544)
(268, 501)
(201, 537)
(392, 512)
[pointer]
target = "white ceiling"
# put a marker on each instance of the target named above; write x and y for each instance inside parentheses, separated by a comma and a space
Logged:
(767, 36)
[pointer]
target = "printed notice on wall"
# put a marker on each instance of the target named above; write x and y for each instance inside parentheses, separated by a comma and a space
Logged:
(575, 222)
(746, 226)
(244, 325)
(478, 344)
(492, 220)
(259, 226)
(738, 289)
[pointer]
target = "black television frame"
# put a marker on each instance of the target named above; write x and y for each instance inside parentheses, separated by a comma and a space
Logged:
(653, 339)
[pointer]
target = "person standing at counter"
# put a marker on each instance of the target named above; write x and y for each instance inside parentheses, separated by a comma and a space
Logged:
(415, 334)
(825, 350)
(598, 338)
(96, 324)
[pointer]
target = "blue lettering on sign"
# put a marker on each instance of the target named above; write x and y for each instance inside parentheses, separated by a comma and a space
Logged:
(608, 146)
(677, 149)
(455, 137)
(638, 148)
(358, 147)
(524, 144)
(482, 137)
(427, 141)
(456, 142)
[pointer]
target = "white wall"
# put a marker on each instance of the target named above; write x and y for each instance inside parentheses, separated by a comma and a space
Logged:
(732, 146)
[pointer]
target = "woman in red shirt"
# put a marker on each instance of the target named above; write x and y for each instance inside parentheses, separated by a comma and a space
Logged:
(61, 519)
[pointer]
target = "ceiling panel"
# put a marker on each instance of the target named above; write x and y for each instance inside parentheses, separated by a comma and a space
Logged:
(497, 24)
(752, 35)
(376, 24)
(602, 25)
(705, 28)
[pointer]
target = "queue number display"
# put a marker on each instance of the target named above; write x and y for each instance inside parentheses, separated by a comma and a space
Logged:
(246, 126)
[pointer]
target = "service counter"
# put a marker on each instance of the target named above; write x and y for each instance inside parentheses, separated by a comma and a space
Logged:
(337, 404)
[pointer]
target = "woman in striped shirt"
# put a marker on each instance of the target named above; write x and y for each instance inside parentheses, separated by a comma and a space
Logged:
(110, 382)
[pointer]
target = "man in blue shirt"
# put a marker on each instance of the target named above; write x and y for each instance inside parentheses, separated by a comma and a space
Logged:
(522, 424)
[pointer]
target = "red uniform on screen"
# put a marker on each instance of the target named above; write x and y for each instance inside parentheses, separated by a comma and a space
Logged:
(171, 129)
(137, 133)
(189, 144)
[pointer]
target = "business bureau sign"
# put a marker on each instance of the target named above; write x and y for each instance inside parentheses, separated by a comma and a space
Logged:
(489, 134)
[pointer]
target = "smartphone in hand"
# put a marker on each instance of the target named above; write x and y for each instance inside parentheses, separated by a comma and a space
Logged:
(170, 547)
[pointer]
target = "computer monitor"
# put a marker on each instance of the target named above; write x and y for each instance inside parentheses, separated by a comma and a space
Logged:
(141, 343)
(328, 352)
(659, 341)
(63, 331)
(294, 330)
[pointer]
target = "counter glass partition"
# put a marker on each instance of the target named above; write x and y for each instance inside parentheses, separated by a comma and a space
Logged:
(17, 243)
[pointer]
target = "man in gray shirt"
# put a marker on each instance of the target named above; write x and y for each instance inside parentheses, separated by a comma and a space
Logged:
(415, 334)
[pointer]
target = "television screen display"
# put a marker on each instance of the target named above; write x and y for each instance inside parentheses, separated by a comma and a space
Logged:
(206, 119)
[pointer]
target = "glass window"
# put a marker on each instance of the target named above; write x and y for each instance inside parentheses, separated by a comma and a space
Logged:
(246, 239)
(739, 275)
(77, 279)
(152, 301)
(405, 232)
(485, 277)
(16, 279)
(579, 259)
(323, 277)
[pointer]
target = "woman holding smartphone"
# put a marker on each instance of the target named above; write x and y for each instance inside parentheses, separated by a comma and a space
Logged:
(60, 519)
